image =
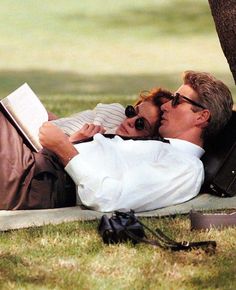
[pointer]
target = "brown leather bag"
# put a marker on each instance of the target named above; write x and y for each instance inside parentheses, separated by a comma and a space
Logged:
(203, 221)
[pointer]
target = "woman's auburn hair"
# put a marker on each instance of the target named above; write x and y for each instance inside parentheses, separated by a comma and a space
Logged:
(156, 96)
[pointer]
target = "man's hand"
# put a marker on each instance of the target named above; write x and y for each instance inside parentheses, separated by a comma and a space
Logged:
(88, 130)
(54, 139)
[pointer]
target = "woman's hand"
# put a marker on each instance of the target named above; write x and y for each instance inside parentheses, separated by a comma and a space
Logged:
(52, 116)
(88, 130)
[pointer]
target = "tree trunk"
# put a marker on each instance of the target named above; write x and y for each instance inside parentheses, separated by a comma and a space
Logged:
(224, 15)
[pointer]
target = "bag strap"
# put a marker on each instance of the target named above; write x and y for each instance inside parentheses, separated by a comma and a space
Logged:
(201, 221)
(165, 242)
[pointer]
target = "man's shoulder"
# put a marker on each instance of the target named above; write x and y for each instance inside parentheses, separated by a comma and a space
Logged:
(187, 147)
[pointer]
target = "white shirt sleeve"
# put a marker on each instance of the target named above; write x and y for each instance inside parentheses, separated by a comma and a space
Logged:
(97, 171)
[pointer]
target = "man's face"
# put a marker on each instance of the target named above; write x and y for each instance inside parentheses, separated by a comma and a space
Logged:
(179, 120)
(150, 114)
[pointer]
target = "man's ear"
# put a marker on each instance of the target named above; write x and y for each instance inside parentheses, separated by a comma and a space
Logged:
(203, 118)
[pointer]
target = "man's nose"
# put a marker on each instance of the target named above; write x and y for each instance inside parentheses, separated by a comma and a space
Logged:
(166, 106)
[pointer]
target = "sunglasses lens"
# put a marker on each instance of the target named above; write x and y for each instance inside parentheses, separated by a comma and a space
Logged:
(139, 124)
(130, 112)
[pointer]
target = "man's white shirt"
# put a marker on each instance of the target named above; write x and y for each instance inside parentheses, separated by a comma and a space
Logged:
(117, 174)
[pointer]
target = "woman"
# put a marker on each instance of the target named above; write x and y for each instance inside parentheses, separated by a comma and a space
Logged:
(142, 120)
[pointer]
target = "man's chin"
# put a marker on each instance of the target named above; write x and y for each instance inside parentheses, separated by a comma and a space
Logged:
(163, 132)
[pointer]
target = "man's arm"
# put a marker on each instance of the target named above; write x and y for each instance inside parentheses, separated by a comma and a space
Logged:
(54, 139)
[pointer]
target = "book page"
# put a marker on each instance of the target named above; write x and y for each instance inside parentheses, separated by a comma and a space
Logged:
(28, 111)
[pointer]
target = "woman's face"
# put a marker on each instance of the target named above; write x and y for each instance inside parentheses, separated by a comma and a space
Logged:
(150, 115)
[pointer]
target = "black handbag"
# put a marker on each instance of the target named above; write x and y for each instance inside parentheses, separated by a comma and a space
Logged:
(121, 227)
(125, 226)
(219, 162)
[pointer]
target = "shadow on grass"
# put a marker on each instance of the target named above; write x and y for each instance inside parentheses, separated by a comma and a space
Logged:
(222, 273)
(48, 83)
(34, 264)
(67, 92)
(11, 271)
(69, 83)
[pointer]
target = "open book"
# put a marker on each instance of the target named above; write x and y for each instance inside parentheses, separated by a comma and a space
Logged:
(27, 112)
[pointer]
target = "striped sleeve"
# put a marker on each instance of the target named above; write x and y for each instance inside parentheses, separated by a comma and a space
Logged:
(107, 115)
(75, 122)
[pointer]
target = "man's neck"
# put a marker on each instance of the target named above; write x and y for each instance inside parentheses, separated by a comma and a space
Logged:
(196, 141)
(192, 137)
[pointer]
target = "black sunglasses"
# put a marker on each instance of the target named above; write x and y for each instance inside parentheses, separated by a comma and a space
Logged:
(175, 101)
(139, 122)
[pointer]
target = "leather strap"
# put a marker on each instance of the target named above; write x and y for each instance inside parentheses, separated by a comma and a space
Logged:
(165, 242)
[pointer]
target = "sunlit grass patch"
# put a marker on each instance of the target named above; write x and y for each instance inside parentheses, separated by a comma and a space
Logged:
(73, 255)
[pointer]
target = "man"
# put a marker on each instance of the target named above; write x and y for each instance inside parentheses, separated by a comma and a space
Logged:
(113, 174)
(31, 180)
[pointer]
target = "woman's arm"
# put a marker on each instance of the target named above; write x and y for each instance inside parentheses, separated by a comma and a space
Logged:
(88, 130)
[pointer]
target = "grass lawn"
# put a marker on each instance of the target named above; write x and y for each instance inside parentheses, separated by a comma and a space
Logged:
(75, 54)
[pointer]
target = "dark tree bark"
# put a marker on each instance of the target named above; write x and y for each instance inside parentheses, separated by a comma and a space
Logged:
(224, 15)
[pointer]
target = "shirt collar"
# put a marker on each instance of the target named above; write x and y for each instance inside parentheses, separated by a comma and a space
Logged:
(187, 147)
